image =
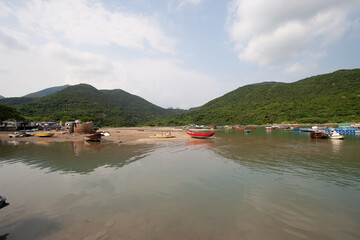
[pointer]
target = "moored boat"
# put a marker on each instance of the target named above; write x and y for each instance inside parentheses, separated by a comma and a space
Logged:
(95, 137)
(336, 135)
(47, 134)
(319, 135)
(167, 135)
(200, 135)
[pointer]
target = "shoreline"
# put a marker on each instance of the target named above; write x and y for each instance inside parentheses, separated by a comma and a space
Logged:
(124, 135)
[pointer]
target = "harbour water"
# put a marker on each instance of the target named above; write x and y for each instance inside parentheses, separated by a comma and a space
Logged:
(261, 185)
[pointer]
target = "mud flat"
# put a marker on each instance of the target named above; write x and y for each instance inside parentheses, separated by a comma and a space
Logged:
(126, 135)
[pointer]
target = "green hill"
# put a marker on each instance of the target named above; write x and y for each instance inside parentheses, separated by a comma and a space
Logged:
(107, 107)
(333, 97)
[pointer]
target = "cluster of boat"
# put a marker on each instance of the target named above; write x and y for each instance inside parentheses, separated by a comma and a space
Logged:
(29, 133)
(322, 134)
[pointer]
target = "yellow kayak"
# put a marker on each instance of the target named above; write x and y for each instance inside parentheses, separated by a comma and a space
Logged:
(45, 134)
(162, 136)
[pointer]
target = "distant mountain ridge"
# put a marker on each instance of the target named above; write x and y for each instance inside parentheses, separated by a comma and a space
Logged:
(45, 92)
(333, 97)
(1, 97)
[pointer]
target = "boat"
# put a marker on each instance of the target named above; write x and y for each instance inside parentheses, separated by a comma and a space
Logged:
(200, 135)
(3, 202)
(336, 135)
(269, 128)
(14, 135)
(162, 136)
(95, 137)
(319, 135)
(47, 134)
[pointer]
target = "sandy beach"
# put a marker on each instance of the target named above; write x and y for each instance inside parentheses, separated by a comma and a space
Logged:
(125, 135)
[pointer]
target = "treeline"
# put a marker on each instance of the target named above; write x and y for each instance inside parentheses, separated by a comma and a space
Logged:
(325, 98)
(105, 107)
(333, 97)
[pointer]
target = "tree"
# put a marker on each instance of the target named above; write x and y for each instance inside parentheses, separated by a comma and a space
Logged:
(7, 112)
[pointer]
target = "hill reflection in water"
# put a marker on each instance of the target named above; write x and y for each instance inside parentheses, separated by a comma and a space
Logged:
(72, 157)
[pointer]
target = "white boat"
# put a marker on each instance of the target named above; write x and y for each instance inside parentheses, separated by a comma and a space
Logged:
(336, 135)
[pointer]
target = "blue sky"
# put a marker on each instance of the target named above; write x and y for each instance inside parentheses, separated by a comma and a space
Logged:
(173, 53)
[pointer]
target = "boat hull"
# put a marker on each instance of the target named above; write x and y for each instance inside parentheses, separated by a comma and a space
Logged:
(162, 136)
(318, 135)
(45, 134)
(200, 135)
(93, 138)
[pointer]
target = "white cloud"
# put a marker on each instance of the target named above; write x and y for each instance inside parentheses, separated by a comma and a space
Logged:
(12, 40)
(281, 32)
(163, 82)
(166, 83)
(89, 22)
(83, 67)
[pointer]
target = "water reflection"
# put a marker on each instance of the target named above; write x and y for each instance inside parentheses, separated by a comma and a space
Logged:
(288, 152)
(337, 145)
(75, 157)
(201, 143)
(256, 186)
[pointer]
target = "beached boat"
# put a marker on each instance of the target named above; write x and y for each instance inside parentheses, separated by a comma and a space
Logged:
(47, 134)
(336, 135)
(162, 136)
(199, 135)
(269, 128)
(319, 135)
(95, 137)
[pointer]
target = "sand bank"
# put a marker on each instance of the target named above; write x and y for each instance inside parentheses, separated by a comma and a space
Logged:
(117, 135)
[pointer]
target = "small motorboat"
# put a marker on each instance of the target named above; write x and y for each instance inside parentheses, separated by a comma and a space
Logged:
(200, 135)
(336, 135)
(47, 134)
(270, 128)
(319, 135)
(3, 202)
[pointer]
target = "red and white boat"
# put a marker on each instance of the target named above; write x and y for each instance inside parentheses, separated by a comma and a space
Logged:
(199, 135)
(319, 135)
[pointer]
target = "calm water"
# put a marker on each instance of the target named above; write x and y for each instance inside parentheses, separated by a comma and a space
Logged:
(277, 185)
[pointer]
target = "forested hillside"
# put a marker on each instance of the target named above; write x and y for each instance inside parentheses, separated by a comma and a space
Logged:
(106, 107)
(333, 97)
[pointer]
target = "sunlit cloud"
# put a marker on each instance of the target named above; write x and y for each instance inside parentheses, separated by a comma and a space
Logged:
(281, 32)
(89, 22)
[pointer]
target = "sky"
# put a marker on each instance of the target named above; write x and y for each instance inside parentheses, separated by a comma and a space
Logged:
(173, 53)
